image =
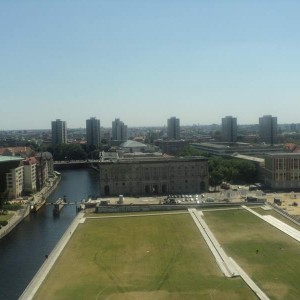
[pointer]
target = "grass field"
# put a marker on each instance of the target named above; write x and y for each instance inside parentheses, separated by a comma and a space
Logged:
(277, 216)
(6, 217)
(152, 257)
(276, 266)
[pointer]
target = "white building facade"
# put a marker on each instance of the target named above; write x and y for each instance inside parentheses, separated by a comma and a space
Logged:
(15, 182)
(229, 129)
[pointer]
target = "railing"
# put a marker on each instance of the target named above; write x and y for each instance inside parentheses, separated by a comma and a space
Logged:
(70, 162)
(284, 213)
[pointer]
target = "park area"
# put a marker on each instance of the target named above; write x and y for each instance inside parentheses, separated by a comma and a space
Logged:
(147, 257)
(165, 257)
(269, 256)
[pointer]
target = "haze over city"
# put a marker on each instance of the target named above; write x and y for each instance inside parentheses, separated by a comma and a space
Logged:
(146, 61)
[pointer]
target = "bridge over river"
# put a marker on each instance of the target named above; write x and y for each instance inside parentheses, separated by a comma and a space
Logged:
(68, 164)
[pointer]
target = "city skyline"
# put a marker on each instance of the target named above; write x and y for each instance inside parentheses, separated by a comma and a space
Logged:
(146, 61)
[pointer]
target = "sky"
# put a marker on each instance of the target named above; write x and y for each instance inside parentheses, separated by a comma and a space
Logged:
(146, 61)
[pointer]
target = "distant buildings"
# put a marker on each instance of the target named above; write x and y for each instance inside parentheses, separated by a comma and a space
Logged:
(119, 130)
(171, 146)
(59, 132)
(268, 129)
(93, 132)
(21, 176)
(229, 129)
(173, 129)
(229, 149)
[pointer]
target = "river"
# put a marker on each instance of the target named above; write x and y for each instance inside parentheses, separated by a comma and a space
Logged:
(23, 250)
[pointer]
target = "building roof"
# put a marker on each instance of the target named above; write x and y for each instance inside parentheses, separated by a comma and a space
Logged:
(283, 154)
(44, 155)
(159, 159)
(16, 150)
(132, 144)
(10, 158)
(251, 158)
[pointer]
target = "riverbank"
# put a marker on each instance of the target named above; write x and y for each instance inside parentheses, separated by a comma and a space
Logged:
(17, 217)
(50, 260)
(22, 213)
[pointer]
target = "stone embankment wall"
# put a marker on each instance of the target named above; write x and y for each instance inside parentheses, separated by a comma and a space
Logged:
(15, 220)
(163, 207)
(24, 212)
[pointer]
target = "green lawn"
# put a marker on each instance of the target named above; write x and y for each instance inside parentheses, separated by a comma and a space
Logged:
(276, 215)
(6, 217)
(276, 267)
(152, 257)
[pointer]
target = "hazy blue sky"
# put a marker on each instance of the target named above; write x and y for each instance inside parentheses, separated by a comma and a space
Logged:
(145, 61)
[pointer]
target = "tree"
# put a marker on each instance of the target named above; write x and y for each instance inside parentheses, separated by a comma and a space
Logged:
(231, 170)
(3, 198)
(69, 152)
(190, 151)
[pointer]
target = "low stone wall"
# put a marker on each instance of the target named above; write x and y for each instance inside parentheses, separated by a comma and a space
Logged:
(163, 207)
(15, 220)
(294, 219)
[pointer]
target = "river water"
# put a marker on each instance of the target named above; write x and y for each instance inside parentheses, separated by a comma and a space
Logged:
(23, 250)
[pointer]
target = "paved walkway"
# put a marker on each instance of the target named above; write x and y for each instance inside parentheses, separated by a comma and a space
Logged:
(287, 229)
(228, 266)
(260, 294)
(49, 262)
(222, 259)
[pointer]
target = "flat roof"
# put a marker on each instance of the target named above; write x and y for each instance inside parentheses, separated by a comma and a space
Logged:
(235, 145)
(155, 159)
(252, 158)
(10, 158)
(283, 154)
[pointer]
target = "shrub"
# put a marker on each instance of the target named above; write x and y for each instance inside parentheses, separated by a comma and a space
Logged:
(3, 223)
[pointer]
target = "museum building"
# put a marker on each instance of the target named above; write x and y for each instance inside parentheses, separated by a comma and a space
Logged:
(154, 176)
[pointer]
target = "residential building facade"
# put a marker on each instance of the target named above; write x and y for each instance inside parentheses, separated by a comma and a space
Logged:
(173, 128)
(93, 132)
(268, 129)
(59, 132)
(229, 129)
(8, 163)
(119, 130)
(14, 182)
(30, 175)
(44, 169)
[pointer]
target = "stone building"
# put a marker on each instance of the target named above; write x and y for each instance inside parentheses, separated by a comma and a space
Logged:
(154, 176)
(282, 170)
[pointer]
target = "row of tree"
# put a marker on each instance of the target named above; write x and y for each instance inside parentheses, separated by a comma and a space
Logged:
(221, 169)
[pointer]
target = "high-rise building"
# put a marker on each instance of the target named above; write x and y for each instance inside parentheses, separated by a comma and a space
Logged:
(59, 132)
(173, 128)
(119, 130)
(229, 129)
(268, 129)
(93, 132)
